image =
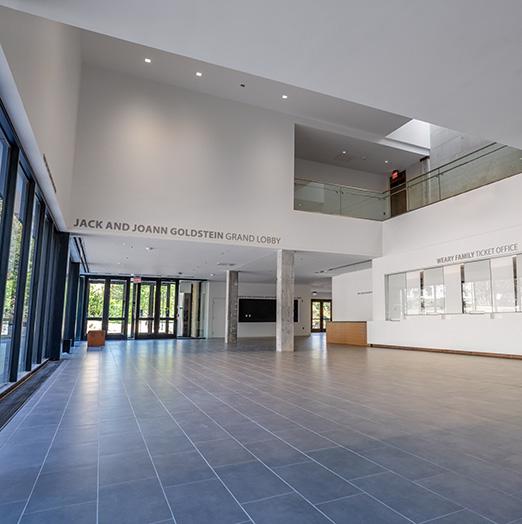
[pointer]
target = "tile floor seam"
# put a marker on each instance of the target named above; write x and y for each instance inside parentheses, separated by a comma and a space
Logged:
(362, 456)
(48, 450)
(291, 487)
(262, 499)
(55, 377)
(148, 385)
(331, 471)
(388, 445)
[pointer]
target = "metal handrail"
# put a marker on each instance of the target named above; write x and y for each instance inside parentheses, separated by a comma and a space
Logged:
(432, 173)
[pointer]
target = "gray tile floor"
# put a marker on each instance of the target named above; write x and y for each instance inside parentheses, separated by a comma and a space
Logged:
(188, 432)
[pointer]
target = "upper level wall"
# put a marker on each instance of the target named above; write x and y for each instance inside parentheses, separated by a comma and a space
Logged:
(152, 154)
(44, 59)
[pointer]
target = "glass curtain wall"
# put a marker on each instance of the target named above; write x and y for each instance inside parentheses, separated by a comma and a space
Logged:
(26, 263)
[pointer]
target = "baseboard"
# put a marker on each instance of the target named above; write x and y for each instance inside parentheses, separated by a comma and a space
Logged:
(451, 351)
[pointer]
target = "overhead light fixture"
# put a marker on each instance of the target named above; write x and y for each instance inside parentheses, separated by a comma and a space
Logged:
(212, 274)
(148, 60)
(284, 97)
(343, 151)
(199, 73)
(386, 161)
(149, 248)
(314, 293)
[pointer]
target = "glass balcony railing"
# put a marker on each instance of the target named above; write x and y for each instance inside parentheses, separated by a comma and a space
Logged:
(483, 166)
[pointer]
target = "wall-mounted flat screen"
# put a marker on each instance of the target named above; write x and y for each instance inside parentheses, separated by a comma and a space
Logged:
(261, 310)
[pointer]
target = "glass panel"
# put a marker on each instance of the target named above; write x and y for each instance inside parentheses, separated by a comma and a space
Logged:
(433, 291)
(519, 282)
(94, 325)
(316, 315)
(30, 285)
(453, 288)
(423, 192)
(327, 311)
(145, 327)
(503, 280)
(4, 148)
(164, 300)
(13, 270)
(172, 302)
(115, 327)
(361, 203)
(96, 298)
(476, 289)
(396, 296)
(317, 196)
(147, 292)
(117, 299)
(413, 293)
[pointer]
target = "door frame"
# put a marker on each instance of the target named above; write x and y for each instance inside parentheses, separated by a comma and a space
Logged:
(322, 321)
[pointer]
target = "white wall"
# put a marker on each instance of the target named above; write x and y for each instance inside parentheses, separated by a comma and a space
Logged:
(255, 329)
(486, 217)
(319, 172)
(44, 58)
(154, 154)
(352, 295)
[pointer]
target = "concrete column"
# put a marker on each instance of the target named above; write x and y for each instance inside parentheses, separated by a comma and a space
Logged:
(194, 310)
(285, 301)
(231, 306)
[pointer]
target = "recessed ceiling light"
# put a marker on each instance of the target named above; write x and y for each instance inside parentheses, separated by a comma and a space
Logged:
(386, 161)
(284, 97)
(199, 73)
(149, 248)
(343, 152)
(148, 60)
(212, 274)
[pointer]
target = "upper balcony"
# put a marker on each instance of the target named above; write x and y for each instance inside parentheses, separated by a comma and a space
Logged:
(485, 165)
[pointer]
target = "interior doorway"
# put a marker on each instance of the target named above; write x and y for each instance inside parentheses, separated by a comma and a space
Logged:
(321, 314)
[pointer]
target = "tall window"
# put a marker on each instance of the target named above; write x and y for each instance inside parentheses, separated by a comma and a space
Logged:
(13, 271)
(4, 356)
(476, 288)
(30, 286)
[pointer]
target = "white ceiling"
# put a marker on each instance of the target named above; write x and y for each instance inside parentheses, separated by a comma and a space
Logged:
(453, 63)
(185, 259)
(129, 58)
(322, 146)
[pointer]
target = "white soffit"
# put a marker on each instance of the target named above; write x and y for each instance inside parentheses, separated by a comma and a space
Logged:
(455, 64)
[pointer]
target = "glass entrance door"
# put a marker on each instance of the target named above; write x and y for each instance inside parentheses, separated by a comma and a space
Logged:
(117, 308)
(321, 314)
(167, 309)
(145, 307)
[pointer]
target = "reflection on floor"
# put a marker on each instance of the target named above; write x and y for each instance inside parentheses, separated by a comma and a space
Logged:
(188, 432)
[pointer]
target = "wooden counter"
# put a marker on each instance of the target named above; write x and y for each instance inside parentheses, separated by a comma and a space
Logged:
(346, 332)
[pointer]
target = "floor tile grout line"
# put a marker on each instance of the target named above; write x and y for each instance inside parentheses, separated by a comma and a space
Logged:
(335, 396)
(48, 450)
(241, 444)
(341, 498)
(199, 452)
(456, 513)
(144, 441)
(43, 393)
(311, 458)
(263, 499)
(354, 451)
(385, 444)
(52, 508)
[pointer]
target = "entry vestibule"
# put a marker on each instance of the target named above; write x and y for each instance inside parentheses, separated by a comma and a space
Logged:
(128, 307)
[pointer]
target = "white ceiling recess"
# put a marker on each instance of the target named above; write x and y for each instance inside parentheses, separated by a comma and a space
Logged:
(184, 259)
(344, 151)
(455, 64)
